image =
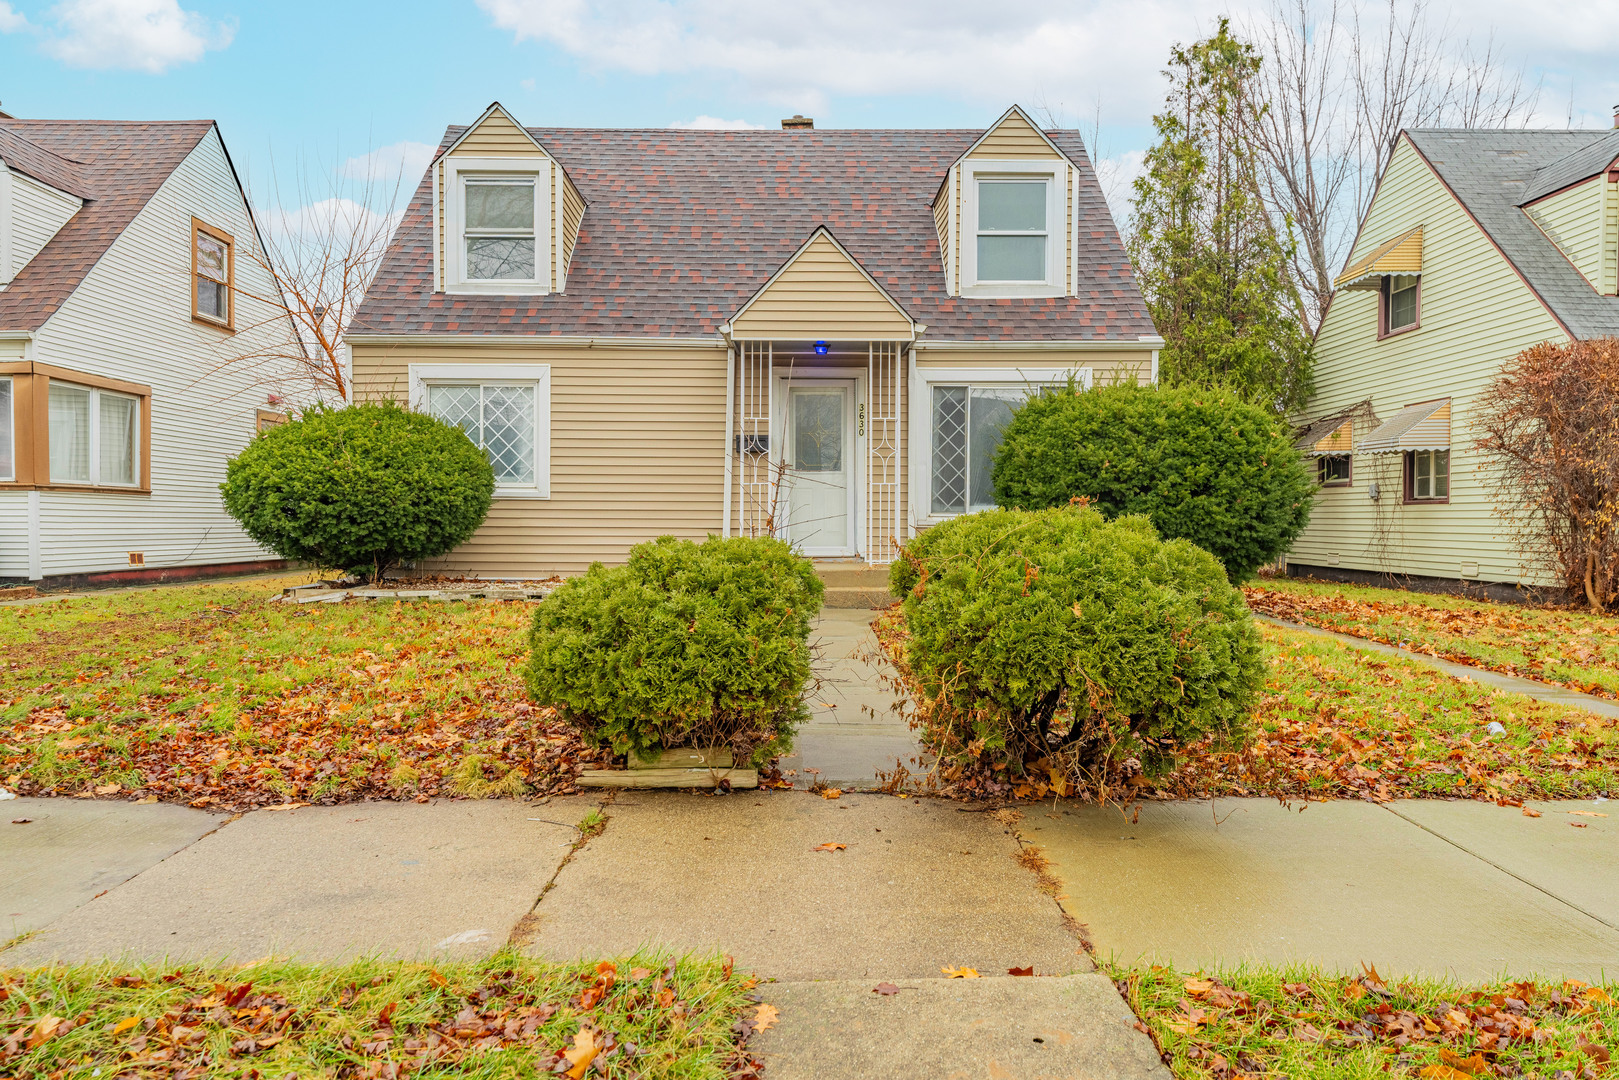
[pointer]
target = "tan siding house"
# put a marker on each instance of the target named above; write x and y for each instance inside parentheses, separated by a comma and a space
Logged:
(813, 334)
(1477, 245)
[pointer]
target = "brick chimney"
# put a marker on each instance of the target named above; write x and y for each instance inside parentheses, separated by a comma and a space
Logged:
(799, 121)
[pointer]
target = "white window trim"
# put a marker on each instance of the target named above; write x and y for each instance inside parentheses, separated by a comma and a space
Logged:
(539, 375)
(11, 427)
(95, 480)
(1055, 173)
(921, 418)
(455, 257)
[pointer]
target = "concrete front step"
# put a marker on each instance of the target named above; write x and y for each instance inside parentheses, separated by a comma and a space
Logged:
(856, 597)
(854, 584)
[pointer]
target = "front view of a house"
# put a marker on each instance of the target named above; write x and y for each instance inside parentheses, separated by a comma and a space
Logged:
(816, 334)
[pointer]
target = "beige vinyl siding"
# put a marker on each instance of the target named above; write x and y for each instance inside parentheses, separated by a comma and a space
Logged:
(1013, 137)
(821, 294)
(573, 215)
(1576, 221)
(941, 222)
(1107, 366)
(497, 136)
(37, 212)
(1476, 315)
(637, 438)
(955, 254)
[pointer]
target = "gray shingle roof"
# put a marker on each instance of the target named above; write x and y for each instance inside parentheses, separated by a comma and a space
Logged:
(1582, 164)
(682, 227)
(1491, 173)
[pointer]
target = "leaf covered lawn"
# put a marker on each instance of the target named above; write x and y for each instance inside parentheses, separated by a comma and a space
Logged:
(1570, 648)
(212, 696)
(1335, 721)
(1304, 1024)
(644, 1016)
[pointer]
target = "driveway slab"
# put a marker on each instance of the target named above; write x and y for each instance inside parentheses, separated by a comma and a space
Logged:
(446, 879)
(855, 729)
(1075, 1027)
(1332, 883)
(1570, 851)
(71, 850)
(919, 886)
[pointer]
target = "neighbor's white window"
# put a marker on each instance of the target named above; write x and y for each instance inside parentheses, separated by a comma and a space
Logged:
(94, 436)
(498, 227)
(1430, 474)
(504, 409)
(1013, 232)
(8, 433)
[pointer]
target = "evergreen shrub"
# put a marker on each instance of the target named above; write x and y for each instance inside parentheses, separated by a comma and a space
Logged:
(361, 488)
(685, 645)
(1203, 464)
(1059, 643)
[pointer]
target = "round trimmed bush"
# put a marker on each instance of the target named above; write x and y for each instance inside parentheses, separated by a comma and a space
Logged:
(1056, 639)
(685, 645)
(1204, 465)
(361, 488)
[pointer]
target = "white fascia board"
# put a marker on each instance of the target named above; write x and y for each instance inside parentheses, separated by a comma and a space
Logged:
(529, 341)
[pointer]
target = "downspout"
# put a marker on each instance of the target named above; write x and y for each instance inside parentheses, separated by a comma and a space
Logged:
(730, 426)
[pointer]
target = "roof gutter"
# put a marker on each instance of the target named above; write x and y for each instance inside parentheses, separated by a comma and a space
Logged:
(532, 340)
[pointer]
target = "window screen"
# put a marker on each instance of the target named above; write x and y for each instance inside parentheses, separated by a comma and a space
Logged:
(500, 229)
(1012, 230)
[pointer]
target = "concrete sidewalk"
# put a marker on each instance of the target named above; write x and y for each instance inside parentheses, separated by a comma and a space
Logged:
(856, 729)
(1462, 889)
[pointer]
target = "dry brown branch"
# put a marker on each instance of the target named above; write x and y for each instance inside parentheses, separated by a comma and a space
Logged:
(1551, 419)
(320, 259)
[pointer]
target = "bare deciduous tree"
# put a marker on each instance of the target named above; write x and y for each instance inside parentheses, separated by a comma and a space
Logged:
(321, 259)
(1338, 85)
(1552, 421)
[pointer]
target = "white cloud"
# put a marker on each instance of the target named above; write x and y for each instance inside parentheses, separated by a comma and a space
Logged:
(335, 216)
(1117, 176)
(133, 35)
(402, 161)
(714, 123)
(799, 55)
(11, 21)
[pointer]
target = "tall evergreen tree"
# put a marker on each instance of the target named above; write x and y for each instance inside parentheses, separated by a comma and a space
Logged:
(1211, 261)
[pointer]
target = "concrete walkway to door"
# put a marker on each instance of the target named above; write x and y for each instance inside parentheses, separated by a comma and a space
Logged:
(856, 728)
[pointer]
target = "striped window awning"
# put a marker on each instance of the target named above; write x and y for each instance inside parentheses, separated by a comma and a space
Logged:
(1332, 435)
(1416, 427)
(1402, 255)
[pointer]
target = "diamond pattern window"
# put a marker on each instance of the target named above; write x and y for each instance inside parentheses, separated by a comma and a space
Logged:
(967, 425)
(499, 223)
(499, 417)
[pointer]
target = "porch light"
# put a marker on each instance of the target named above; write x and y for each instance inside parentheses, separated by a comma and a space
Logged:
(822, 348)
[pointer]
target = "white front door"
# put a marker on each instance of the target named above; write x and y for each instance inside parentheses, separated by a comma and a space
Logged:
(819, 451)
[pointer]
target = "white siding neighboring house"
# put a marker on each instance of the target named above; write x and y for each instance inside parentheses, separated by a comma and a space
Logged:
(118, 409)
(1477, 245)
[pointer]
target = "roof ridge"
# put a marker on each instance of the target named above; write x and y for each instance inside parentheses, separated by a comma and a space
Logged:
(6, 126)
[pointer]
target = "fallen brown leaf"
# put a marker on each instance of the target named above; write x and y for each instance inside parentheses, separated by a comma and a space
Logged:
(832, 846)
(960, 972)
(765, 1016)
(582, 1052)
(1530, 812)
(885, 989)
(1021, 971)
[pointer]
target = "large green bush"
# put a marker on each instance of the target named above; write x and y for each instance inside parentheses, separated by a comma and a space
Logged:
(361, 488)
(685, 645)
(1204, 465)
(1056, 639)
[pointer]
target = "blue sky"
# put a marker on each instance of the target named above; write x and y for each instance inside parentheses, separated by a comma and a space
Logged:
(312, 85)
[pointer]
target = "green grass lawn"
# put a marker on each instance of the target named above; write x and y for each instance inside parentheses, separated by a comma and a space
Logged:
(642, 1016)
(1570, 648)
(210, 695)
(1334, 720)
(1304, 1024)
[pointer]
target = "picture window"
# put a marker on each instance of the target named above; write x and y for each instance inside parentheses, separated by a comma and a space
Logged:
(94, 436)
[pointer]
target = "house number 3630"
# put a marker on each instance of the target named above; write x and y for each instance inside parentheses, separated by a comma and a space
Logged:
(860, 427)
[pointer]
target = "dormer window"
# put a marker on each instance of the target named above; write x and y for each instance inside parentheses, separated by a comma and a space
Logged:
(1013, 240)
(499, 230)
(497, 225)
(1012, 232)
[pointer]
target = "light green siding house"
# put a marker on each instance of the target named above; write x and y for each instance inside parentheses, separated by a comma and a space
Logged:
(1477, 245)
